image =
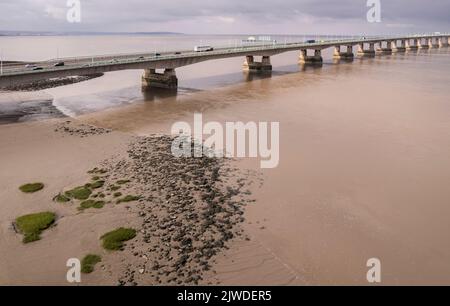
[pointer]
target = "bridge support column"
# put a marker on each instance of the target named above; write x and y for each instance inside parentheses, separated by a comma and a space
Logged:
(430, 43)
(387, 50)
(168, 79)
(411, 46)
(306, 59)
(366, 52)
(251, 65)
(444, 41)
(434, 42)
(348, 55)
(423, 43)
(396, 48)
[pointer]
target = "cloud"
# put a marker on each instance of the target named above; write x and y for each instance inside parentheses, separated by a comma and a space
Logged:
(226, 19)
(225, 16)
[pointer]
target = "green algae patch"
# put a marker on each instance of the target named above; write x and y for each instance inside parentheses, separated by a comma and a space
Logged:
(79, 193)
(91, 204)
(31, 188)
(97, 171)
(88, 263)
(97, 184)
(128, 198)
(123, 182)
(31, 226)
(114, 240)
(60, 198)
(114, 188)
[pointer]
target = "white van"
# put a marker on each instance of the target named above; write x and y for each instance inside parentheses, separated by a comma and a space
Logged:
(203, 49)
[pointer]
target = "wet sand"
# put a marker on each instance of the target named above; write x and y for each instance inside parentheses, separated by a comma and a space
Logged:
(34, 152)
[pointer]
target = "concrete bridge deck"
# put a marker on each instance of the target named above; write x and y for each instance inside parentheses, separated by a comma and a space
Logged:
(12, 75)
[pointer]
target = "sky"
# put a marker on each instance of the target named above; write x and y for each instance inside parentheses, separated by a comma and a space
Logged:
(227, 16)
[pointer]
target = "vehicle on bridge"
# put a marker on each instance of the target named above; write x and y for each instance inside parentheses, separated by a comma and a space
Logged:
(59, 64)
(203, 49)
(311, 41)
(261, 40)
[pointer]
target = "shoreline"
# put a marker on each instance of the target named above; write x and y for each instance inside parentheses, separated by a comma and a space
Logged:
(52, 83)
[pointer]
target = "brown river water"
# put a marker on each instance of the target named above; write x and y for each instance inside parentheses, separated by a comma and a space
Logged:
(364, 166)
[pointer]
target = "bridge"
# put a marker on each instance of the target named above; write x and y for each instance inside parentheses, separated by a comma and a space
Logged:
(18, 74)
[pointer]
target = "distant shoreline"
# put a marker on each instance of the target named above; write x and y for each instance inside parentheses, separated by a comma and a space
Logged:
(32, 33)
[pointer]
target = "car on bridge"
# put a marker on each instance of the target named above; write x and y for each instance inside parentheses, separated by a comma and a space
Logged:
(310, 41)
(59, 64)
(37, 68)
(30, 66)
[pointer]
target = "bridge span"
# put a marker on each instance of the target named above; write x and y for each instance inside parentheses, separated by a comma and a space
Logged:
(167, 62)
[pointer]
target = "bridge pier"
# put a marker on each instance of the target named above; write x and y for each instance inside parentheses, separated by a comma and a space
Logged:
(396, 48)
(348, 55)
(430, 43)
(315, 59)
(168, 79)
(251, 65)
(444, 42)
(411, 46)
(366, 52)
(437, 43)
(422, 44)
(387, 50)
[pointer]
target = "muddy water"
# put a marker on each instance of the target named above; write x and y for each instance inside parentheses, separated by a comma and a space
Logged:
(364, 155)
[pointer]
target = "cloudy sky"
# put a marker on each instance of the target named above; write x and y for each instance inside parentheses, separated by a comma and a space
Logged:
(227, 16)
